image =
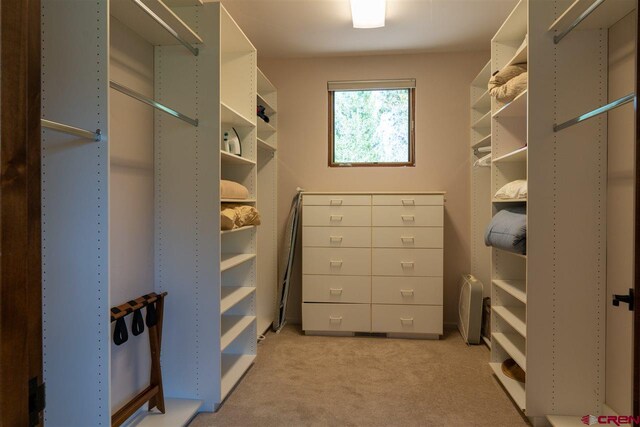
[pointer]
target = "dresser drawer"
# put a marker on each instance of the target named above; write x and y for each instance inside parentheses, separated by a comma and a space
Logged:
(406, 290)
(337, 237)
(343, 289)
(336, 317)
(340, 261)
(411, 319)
(336, 200)
(408, 199)
(336, 216)
(407, 237)
(408, 216)
(407, 262)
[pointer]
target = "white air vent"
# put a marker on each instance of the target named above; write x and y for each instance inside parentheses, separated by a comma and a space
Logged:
(470, 309)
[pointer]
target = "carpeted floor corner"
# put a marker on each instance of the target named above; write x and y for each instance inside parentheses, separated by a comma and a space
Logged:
(300, 380)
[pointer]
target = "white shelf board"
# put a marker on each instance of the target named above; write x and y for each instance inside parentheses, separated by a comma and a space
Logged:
(233, 368)
(232, 295)
(240, 201)
(264, 84)
(514, 388)
(483, 103)
(484, 142)
(233, 39)
(514, 345)
(487, 341)
(509, 201)
(515, 288)
(512, 253)
(230, 117)
(520, 56)
(236, 230)
(514, 316)
(265, 145)
(127, 12)
(565, 420)
(268, 108)
(519, 155)
(232, 158)
(516, 108)
(515, 26)
(233, 260)
(265, 130)
(483, 123)
(183, 3)
(231, 327)
(483, 76)
(607, 14)
(178, 412)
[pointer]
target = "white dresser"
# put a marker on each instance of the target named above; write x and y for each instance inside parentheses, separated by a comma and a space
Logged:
(372, 262)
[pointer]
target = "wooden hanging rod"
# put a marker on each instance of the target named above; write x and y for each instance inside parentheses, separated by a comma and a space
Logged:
(129, 307)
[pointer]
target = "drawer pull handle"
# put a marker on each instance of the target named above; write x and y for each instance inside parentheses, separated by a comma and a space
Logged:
(335, 263)
(406, 320)
(406, 292)
(408, 202)
(407, 238)
(408, 217)
(407, 264)
(335, 202)
(335, 318)
(335, 218)
(336, 291)
(335, 238)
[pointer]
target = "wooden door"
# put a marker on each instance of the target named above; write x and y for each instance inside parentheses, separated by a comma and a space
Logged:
(20, 260)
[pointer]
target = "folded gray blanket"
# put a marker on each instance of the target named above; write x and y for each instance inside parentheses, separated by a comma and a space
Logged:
(508, 230)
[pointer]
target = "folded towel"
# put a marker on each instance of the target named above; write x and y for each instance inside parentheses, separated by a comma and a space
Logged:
(227, 219)
(232, 190)
(508, 230)
(236, 216)
(508, 83)
(513, 190)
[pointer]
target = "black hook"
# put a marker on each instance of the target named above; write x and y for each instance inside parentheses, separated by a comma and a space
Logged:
(120, 334)
(152, 318)
(137, 325)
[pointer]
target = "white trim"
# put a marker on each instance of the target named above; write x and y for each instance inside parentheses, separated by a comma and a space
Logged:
(371, 84)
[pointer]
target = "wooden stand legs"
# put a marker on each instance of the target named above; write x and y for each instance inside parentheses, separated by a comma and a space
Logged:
(153, 394)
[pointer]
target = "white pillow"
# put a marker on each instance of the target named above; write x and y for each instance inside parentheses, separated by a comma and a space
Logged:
(514, 190)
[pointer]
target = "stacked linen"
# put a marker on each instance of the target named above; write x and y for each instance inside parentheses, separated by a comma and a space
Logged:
(236, 215)
(508, 83)
(508, 230)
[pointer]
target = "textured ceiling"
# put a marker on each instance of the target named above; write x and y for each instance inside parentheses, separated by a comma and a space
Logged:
(303, 28)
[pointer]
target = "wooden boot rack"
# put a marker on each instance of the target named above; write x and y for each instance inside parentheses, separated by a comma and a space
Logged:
(154, 393)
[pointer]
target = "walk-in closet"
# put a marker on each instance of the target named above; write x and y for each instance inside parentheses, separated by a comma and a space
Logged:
(346, 212)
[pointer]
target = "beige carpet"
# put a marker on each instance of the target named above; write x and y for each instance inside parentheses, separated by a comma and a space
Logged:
(300, 380)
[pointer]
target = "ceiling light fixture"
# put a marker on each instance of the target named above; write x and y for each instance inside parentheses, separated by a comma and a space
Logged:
(368, 13)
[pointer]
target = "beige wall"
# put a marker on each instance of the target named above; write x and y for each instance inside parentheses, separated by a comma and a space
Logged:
(442, 138)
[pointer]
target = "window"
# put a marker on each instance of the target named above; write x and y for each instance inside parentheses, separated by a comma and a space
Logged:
(371, 123)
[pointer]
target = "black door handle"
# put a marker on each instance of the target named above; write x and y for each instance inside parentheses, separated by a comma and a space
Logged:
(627, 299)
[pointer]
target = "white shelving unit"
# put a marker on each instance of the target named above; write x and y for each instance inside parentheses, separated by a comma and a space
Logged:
(480, 102)
(267, 96)
(239, 260)
(99, 198)
(210, 274)
(549, 306)
(509, 162)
